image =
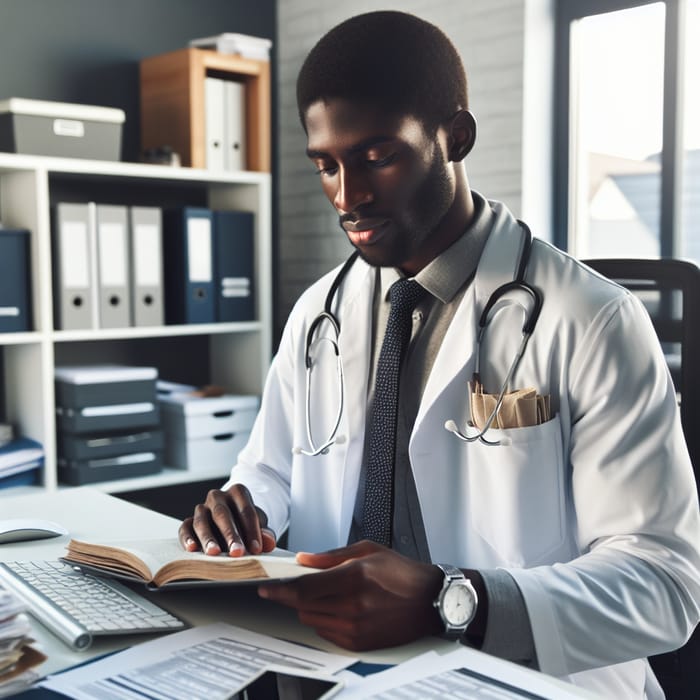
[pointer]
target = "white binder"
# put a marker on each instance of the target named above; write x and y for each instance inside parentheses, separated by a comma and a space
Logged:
(113, 266)
(146, 266)
(214, 122)
(75, 303)
(234, 130)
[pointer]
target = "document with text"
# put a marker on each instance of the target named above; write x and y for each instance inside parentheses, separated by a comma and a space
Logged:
(203, 663)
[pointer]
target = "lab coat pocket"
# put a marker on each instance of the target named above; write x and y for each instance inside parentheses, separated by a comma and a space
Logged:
(517, 492)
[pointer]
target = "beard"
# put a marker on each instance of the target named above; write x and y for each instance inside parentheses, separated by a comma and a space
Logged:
(417, 219)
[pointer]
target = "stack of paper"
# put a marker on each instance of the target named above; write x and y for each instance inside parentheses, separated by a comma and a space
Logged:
(17, 656)
(19, 461)
(242, 44)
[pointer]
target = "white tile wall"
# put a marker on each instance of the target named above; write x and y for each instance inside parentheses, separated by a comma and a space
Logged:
(490, 35)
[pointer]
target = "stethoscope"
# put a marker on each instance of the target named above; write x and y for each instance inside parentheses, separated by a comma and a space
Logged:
(326, 315)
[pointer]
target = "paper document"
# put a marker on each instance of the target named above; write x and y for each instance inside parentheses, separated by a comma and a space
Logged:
(207, 663)
(463, 673)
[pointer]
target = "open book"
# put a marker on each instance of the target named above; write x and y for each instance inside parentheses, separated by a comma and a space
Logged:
(163, 562)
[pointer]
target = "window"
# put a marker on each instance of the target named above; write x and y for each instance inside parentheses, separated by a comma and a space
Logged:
(628, 129)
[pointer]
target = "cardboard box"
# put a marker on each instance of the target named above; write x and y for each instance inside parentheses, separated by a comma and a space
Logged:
(61, 129)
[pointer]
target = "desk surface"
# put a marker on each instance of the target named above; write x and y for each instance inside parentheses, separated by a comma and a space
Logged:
(92, 515)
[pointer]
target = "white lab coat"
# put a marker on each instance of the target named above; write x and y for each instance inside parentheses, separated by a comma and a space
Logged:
(594, 513)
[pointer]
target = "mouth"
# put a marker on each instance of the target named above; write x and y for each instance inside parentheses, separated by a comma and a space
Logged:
(365, 231)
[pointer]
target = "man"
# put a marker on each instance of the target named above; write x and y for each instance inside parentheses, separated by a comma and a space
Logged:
(579, 536)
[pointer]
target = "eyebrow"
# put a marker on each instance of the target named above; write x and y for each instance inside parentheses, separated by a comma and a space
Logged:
(361, 146)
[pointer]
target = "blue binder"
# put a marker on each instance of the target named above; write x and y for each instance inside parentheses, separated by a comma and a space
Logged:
(233, 266)
(15, 306)
(188, 265)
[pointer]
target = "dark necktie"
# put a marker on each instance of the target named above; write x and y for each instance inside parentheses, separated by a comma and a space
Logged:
(379, 478)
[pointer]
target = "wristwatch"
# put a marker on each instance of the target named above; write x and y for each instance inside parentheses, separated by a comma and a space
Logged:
(456, 601)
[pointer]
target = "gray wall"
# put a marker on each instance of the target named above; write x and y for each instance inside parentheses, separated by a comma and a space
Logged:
(87, 51)
(506, 46)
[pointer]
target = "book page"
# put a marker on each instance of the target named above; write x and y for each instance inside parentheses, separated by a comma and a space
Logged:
(167, 557)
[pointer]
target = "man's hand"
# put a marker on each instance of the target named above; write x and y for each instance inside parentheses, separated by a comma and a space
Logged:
(369, 596)
(227, 521)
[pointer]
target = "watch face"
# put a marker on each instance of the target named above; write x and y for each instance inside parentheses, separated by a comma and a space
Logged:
(458, 605)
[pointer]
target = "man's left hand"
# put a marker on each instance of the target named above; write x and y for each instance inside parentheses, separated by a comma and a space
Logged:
(367, 597)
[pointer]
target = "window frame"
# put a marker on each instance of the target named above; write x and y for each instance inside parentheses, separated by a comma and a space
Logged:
(568, 11)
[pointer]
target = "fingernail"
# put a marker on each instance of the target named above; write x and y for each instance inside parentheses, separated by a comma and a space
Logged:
(236, 549)
(211, 545)
(189, 542)
(254, 545)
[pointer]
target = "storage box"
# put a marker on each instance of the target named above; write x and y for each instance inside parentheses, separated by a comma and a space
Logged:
(244, 45)
(208, 453)
(186, 416)
(60, 129)
(80, 447)
(103, 385)
(90, 471)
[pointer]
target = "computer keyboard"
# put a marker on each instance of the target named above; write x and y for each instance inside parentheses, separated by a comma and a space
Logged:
(77, 606)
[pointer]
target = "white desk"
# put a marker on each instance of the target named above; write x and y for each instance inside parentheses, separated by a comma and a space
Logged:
(92, 515)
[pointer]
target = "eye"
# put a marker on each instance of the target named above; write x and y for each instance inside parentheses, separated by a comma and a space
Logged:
(326, 169)
(374, 162)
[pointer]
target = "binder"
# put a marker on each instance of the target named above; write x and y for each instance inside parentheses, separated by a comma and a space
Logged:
(188, 265)
(234, 128)
(214, 122)
(74, 270)
(15, 301)
(113, 266)
(233, 255)
(146, 256)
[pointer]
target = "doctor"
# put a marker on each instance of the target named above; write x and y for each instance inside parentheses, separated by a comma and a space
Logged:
(572, 546)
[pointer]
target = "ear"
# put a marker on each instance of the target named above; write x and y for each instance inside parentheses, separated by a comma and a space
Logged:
(462, 135)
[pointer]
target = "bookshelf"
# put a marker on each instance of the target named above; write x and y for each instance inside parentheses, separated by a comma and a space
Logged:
(233, 355)
(173, 103)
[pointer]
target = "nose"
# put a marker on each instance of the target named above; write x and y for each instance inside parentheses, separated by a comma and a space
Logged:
(353, 190)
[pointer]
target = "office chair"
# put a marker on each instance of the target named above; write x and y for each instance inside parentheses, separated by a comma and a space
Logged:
(670, 291)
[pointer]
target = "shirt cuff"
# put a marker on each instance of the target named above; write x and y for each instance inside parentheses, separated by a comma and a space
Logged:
(508, 630)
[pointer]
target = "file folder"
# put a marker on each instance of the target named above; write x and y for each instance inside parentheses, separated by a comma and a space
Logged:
(235, 126)
(214, 122)
(15, 298)
(146, 266)
(74, 269)
(234, 264)
(113, 266)
(188, 265)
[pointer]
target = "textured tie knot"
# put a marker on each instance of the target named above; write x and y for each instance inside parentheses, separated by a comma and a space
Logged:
(404, 294)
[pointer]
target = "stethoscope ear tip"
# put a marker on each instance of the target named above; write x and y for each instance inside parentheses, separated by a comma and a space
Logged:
(451, 426)
(296, 450)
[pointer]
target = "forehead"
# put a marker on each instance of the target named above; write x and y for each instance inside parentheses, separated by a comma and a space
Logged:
(338, 124)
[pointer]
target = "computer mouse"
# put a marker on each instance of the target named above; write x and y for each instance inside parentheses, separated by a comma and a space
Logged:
(23, 529)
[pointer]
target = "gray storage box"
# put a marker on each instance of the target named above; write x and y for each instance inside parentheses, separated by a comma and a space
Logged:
(60, 129)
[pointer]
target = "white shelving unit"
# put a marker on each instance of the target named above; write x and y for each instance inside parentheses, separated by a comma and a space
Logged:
(236, 354)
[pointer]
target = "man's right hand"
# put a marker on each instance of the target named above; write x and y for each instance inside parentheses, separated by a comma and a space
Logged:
(227, 521)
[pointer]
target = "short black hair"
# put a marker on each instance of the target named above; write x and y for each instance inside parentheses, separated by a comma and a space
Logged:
(392, 59)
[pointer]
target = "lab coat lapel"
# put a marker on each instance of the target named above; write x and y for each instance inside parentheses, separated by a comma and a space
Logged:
(355, 304)
(497, 266)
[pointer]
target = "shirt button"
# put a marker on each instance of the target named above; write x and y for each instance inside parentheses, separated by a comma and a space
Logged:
(417, 316)
(403, 539)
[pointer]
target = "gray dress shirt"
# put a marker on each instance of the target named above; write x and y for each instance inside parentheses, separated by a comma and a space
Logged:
(446, 278)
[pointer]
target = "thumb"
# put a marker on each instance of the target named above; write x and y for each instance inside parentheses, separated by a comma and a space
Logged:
(334, 557)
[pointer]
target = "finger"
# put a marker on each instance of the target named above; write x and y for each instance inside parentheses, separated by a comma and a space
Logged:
(223, 517)
(185, 533)
(247, 518)
(269, 539)
(204, 531)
